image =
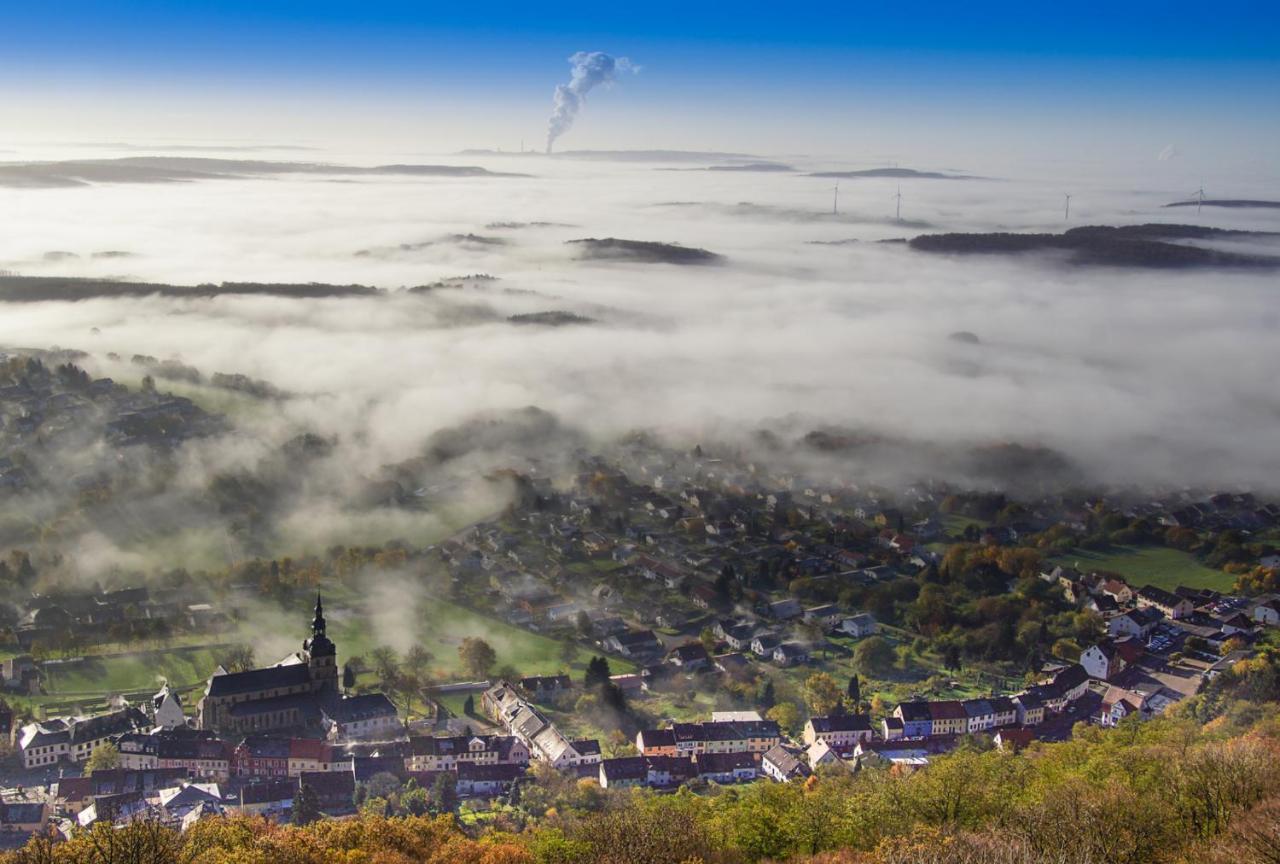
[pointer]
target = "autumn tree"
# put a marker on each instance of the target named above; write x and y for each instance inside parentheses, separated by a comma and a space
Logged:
(874, 656)
(477, 656)
(822, 694)
(104, 757)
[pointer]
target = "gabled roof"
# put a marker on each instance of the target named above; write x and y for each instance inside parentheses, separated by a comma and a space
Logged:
(841, 723)
(947, 710)
(625, 768)
(272, 677)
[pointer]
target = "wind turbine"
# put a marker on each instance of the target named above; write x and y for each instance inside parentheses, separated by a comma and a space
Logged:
(897, 215)
(1066, 210)
(835, 200)
(1199, 198)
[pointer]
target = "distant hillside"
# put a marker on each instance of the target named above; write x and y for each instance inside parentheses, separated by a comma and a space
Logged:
(1124, 246)
(613, 249)
(33, 289)
(177, 169)
(1240, 203)
(901, 173)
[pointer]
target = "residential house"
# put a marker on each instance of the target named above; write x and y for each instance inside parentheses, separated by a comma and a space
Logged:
(543, 687)
(840, 731)
(1119, 703)
(636, 643)
(726, 767)
(1267, 612)
(269, 798)
(784, 764)
(949, 718)
(261, 756)
(980, 715)
(487, 781)
(828, 616)
(334, 790)
(427, 753)
(1013, 740)
(1170, 605)
(74, 738)
(790, 654)
(821, 753)
(691, 657)
(1136, 623)
(623, 772)
(22, 818)
(1006, 712)
(917, 719)
(858, 626)
(1030, 709)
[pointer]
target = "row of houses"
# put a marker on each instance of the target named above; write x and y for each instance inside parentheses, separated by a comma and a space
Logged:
(686, 740)
(506, 705)
(665, 772)
(925, 719)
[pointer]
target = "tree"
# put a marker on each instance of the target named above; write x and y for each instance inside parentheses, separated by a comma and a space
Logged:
(348, 677)
(821, 693)
(709, 641)
(418, 660)
(477, 656)
(306, 807)
(874, 656)
(469, 706)
(385, 665)
(568, 654)
(444, 793)
(854, 690)
(103, 758)
(597, 673)
(786, 715)
(583, 623)
(766, 695)
(239, 658)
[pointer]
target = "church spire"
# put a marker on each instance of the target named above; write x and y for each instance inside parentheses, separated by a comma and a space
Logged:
(317, 624)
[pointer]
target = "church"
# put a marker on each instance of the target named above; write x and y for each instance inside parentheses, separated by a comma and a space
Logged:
(301, 693)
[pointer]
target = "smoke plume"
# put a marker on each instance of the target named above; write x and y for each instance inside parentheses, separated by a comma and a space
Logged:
(590, 68)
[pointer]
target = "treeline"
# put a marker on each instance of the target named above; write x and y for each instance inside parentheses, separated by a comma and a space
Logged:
(1161, 792)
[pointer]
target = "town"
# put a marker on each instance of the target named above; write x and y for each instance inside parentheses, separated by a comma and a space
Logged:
(739, 629)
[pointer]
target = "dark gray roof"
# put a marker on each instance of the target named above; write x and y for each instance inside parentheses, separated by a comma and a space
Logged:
(363, 707)
(255, 680)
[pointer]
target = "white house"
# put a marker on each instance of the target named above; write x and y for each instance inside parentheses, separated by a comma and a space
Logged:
(166, 707)
(863, 624)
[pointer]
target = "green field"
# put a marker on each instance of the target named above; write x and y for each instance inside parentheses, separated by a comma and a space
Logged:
(440, 626)
(132, 672)
(1150, 565)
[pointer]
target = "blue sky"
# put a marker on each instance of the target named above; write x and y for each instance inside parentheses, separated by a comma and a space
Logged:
(751, 70)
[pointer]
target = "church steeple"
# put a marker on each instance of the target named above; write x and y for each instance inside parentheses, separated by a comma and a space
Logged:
(322, 654)
(317, 623)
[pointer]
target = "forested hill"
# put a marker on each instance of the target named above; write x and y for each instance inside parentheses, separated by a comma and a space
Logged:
(31, 289)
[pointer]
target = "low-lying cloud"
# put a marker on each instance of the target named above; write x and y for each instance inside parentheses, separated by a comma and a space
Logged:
(1135, 377)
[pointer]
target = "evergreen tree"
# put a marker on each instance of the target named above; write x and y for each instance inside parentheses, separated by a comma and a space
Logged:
(597, 672)
(444, 793)
(469, 706)
(767, 699)
(306, 807)
(854, 690)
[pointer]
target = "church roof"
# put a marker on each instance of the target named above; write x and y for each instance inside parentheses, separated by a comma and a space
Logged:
(256, 680)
